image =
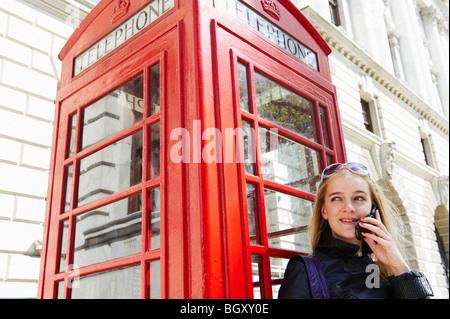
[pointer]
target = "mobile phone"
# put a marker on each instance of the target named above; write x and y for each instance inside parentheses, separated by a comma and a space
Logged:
(359, 229)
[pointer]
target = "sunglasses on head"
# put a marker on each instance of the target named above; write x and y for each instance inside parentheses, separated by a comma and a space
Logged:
(337, 167)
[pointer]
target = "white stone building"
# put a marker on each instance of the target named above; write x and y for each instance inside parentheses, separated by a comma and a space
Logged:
(32, 33)
(389, 63)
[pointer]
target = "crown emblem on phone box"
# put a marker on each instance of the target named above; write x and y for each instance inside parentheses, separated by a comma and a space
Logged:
(271, 8)
(120, 10)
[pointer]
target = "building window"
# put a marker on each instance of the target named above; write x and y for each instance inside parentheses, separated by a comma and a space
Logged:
(443, 253)
(334, 11)
(366, 115)
(426, 148)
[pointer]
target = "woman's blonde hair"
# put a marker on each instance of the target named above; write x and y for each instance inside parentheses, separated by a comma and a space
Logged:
(388, 212)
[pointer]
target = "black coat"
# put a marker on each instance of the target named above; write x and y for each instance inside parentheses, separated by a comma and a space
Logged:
(350, 276)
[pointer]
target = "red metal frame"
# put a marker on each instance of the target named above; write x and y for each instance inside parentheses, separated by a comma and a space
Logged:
(205, 247)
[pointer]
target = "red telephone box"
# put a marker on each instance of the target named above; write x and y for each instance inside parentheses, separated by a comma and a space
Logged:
(188, 144)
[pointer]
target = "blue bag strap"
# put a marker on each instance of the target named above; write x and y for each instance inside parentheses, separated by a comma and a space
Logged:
(317, 281)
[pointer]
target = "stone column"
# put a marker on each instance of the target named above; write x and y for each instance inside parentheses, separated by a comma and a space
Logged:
(413, 52)
(430, 18)
(369, 29)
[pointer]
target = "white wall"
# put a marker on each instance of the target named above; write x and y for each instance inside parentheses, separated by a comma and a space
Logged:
(30, 40)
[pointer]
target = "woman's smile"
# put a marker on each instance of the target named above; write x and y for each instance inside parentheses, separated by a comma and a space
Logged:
(350, 221)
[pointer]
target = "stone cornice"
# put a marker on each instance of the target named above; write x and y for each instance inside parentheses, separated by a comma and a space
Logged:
(72, 11)
(340, 42)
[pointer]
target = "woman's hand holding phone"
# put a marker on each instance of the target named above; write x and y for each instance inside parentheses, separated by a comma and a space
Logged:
(379, 240)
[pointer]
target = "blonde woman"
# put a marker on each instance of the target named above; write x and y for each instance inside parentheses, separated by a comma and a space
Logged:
(371, 267)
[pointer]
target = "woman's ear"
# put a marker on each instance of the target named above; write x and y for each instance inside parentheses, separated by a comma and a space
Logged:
(324, 213)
